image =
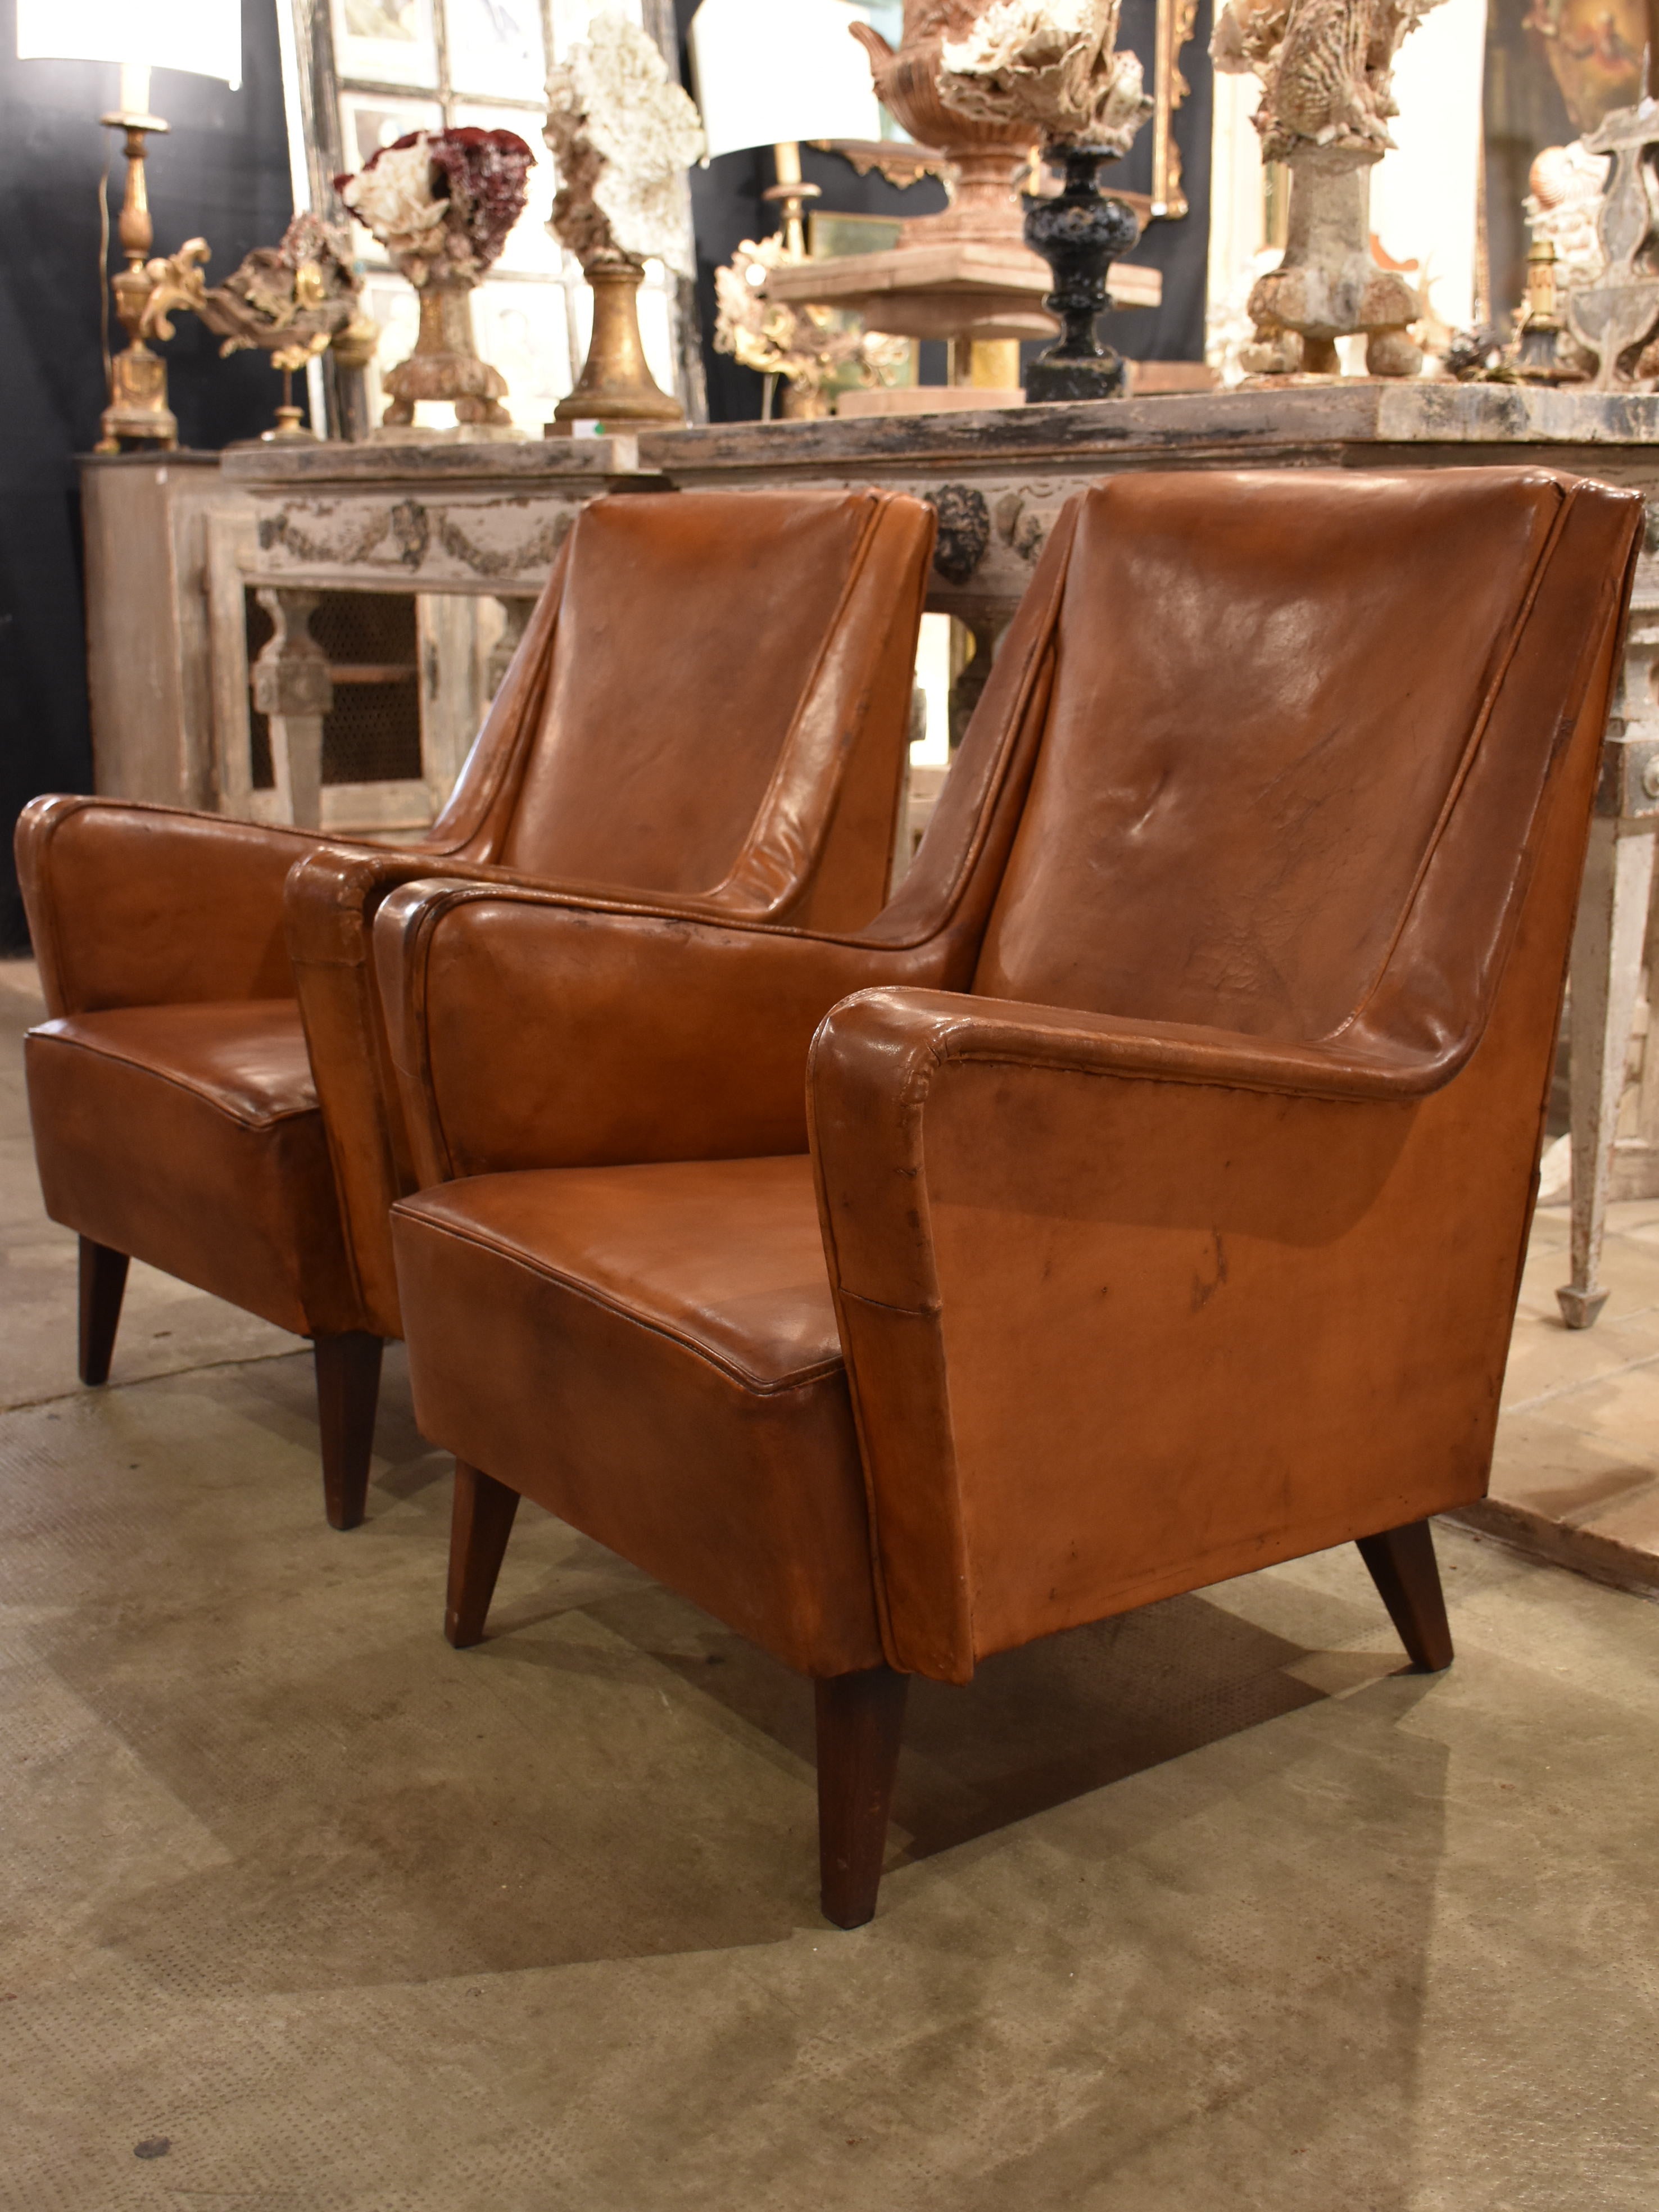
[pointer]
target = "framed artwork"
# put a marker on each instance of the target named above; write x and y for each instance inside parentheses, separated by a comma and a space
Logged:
(385, 41)
(829, 235)
(495, 47)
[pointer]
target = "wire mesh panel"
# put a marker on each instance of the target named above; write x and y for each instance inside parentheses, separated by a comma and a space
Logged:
(372, 733)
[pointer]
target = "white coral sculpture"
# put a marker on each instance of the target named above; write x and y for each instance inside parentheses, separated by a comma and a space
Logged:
(624, 137)
(1052, 64)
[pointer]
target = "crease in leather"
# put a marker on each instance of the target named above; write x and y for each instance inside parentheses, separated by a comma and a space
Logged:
(243, 1104)
(759, 1385)
(1477, 736)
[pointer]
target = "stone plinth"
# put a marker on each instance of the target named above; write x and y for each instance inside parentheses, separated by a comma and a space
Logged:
(964, 290)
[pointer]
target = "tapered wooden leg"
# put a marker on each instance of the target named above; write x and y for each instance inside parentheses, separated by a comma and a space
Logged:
(860, 1719)
(1403, 1565)
(478, 1531)
(103, 1282)
(348, 1391)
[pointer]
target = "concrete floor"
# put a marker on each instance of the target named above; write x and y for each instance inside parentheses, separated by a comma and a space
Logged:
(1213, 1909)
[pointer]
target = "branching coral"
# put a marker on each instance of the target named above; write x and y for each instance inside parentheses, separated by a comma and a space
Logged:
(624, 137)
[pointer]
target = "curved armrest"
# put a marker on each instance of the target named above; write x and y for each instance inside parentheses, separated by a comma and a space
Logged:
(1131, 1307)
(132, 905)
(542, 1028)
(333, 896)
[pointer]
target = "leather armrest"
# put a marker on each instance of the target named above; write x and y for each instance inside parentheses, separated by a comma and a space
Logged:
(134, 905)
(1082, 1266)
(333, 896)
(542, 1028)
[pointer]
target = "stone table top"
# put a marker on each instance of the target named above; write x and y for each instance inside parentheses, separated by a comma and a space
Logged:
(1310, 418)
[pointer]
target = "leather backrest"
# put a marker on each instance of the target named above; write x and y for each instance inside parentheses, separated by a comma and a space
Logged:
(690, 629)
(1267, 690)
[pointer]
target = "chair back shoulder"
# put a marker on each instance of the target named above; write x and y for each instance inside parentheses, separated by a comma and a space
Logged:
(1267, 693)
(690, 629)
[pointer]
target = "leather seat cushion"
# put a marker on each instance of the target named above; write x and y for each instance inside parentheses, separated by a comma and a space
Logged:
(650, 1352)
(190, 1137)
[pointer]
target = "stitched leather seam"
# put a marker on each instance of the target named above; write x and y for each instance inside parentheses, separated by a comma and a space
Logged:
(762, 835)
(754, 1384)
(1476, 740)
(1196, 1079)
(217, 1099)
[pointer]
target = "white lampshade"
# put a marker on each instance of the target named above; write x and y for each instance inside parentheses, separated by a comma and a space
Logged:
(202, 36)
(770, 70)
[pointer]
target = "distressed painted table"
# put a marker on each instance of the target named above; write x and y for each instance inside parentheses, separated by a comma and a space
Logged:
(487, 519)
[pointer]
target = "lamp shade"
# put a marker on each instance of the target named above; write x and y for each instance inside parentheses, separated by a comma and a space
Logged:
(768, 71)
(202, 36)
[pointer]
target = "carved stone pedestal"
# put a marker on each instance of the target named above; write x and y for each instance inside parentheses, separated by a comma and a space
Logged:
(1328, 285)
(292, 688)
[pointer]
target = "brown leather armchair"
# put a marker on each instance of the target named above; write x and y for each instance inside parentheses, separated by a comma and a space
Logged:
(710, 703)
(1154, 1203)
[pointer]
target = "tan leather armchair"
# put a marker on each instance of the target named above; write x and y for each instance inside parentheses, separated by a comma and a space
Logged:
(711, 703)
(1153, 1204)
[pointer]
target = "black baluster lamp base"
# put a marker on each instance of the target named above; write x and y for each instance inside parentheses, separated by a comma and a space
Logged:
(1079, 234)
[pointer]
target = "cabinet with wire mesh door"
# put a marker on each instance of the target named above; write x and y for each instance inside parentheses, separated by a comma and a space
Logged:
(409, 676)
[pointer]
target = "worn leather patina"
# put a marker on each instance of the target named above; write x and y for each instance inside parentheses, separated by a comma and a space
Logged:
(710, 704)
(1142, 1198)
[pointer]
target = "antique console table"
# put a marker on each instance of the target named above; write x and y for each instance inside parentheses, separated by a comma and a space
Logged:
(485, 521)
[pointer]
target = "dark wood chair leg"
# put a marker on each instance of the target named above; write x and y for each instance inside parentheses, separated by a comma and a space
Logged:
(478, 1531)
(860, 1719)
(1403, 1565)
(348, 1391)
(103, 1283)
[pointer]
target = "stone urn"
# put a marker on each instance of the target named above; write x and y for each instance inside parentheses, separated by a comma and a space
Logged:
(984, 157)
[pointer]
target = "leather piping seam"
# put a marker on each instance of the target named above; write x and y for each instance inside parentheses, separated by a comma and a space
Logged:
(759, 837)
(1196, 1078)
(215, 1099)
(756, 1386)
(1477, 737)
(467, 891)
(506, 769)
